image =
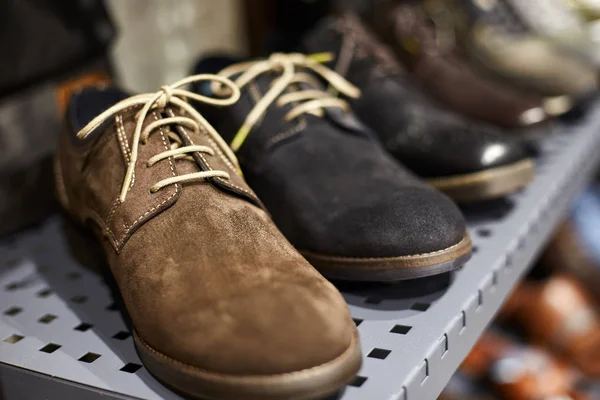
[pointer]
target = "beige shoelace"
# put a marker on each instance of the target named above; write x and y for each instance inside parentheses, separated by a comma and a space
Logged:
(312, 101)
(171, 94)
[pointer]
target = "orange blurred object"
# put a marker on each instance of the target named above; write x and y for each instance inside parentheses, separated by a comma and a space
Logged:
(520, 373)
(565, 253)
(558, 314)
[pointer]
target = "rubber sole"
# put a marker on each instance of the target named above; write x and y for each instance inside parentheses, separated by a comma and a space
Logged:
(485, 185)
(312, 383)
(390, 269)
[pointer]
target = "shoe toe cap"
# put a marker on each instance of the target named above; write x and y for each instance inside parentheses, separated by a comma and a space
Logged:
(408, 222)
(485, 149)
(458, 148)
(276, 329)
(500, 153)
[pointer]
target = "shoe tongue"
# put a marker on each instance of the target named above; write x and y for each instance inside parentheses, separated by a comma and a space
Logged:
(186, 166)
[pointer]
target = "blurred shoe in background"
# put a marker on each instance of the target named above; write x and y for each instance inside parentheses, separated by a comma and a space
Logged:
(466, 160)
(502, 38)
(558, 313)
(519, 372)
(564, 22)
(430, 53)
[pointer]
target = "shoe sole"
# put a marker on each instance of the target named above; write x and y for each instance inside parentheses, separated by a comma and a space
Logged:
(311, 383)
(390, 269)
(488, 184)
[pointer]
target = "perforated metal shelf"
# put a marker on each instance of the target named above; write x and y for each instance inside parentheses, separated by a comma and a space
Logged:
(63, 337)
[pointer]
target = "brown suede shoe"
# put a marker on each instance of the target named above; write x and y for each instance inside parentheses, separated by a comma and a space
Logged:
(223, 307)
(443, 72)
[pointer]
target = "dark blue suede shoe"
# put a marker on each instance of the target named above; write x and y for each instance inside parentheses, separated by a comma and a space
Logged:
(331, 188)
(469, 161)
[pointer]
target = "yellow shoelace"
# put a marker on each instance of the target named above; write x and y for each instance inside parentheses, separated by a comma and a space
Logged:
(171, 95)
(312, 101)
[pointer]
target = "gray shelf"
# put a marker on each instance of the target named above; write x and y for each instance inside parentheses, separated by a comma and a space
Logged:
(414, 334)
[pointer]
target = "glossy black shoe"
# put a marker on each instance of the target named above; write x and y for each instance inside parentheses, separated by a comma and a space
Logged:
(330, 187)
(466, 160)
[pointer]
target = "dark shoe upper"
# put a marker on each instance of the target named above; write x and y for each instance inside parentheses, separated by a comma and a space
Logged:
(430, 53)
(427, 139)
(329, 185)
(208, 280)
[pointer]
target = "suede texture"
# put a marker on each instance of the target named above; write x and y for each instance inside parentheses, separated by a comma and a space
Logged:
(443, 71)
(206, 277)
(330, 186)
(429, 140)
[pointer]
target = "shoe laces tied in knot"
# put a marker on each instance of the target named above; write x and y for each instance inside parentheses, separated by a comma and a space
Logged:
(165, 98)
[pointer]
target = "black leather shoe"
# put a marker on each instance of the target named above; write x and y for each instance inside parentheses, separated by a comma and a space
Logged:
(330, 187)
(466, 160)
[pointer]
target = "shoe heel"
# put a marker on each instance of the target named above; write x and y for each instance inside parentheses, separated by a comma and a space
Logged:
(83, 246)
